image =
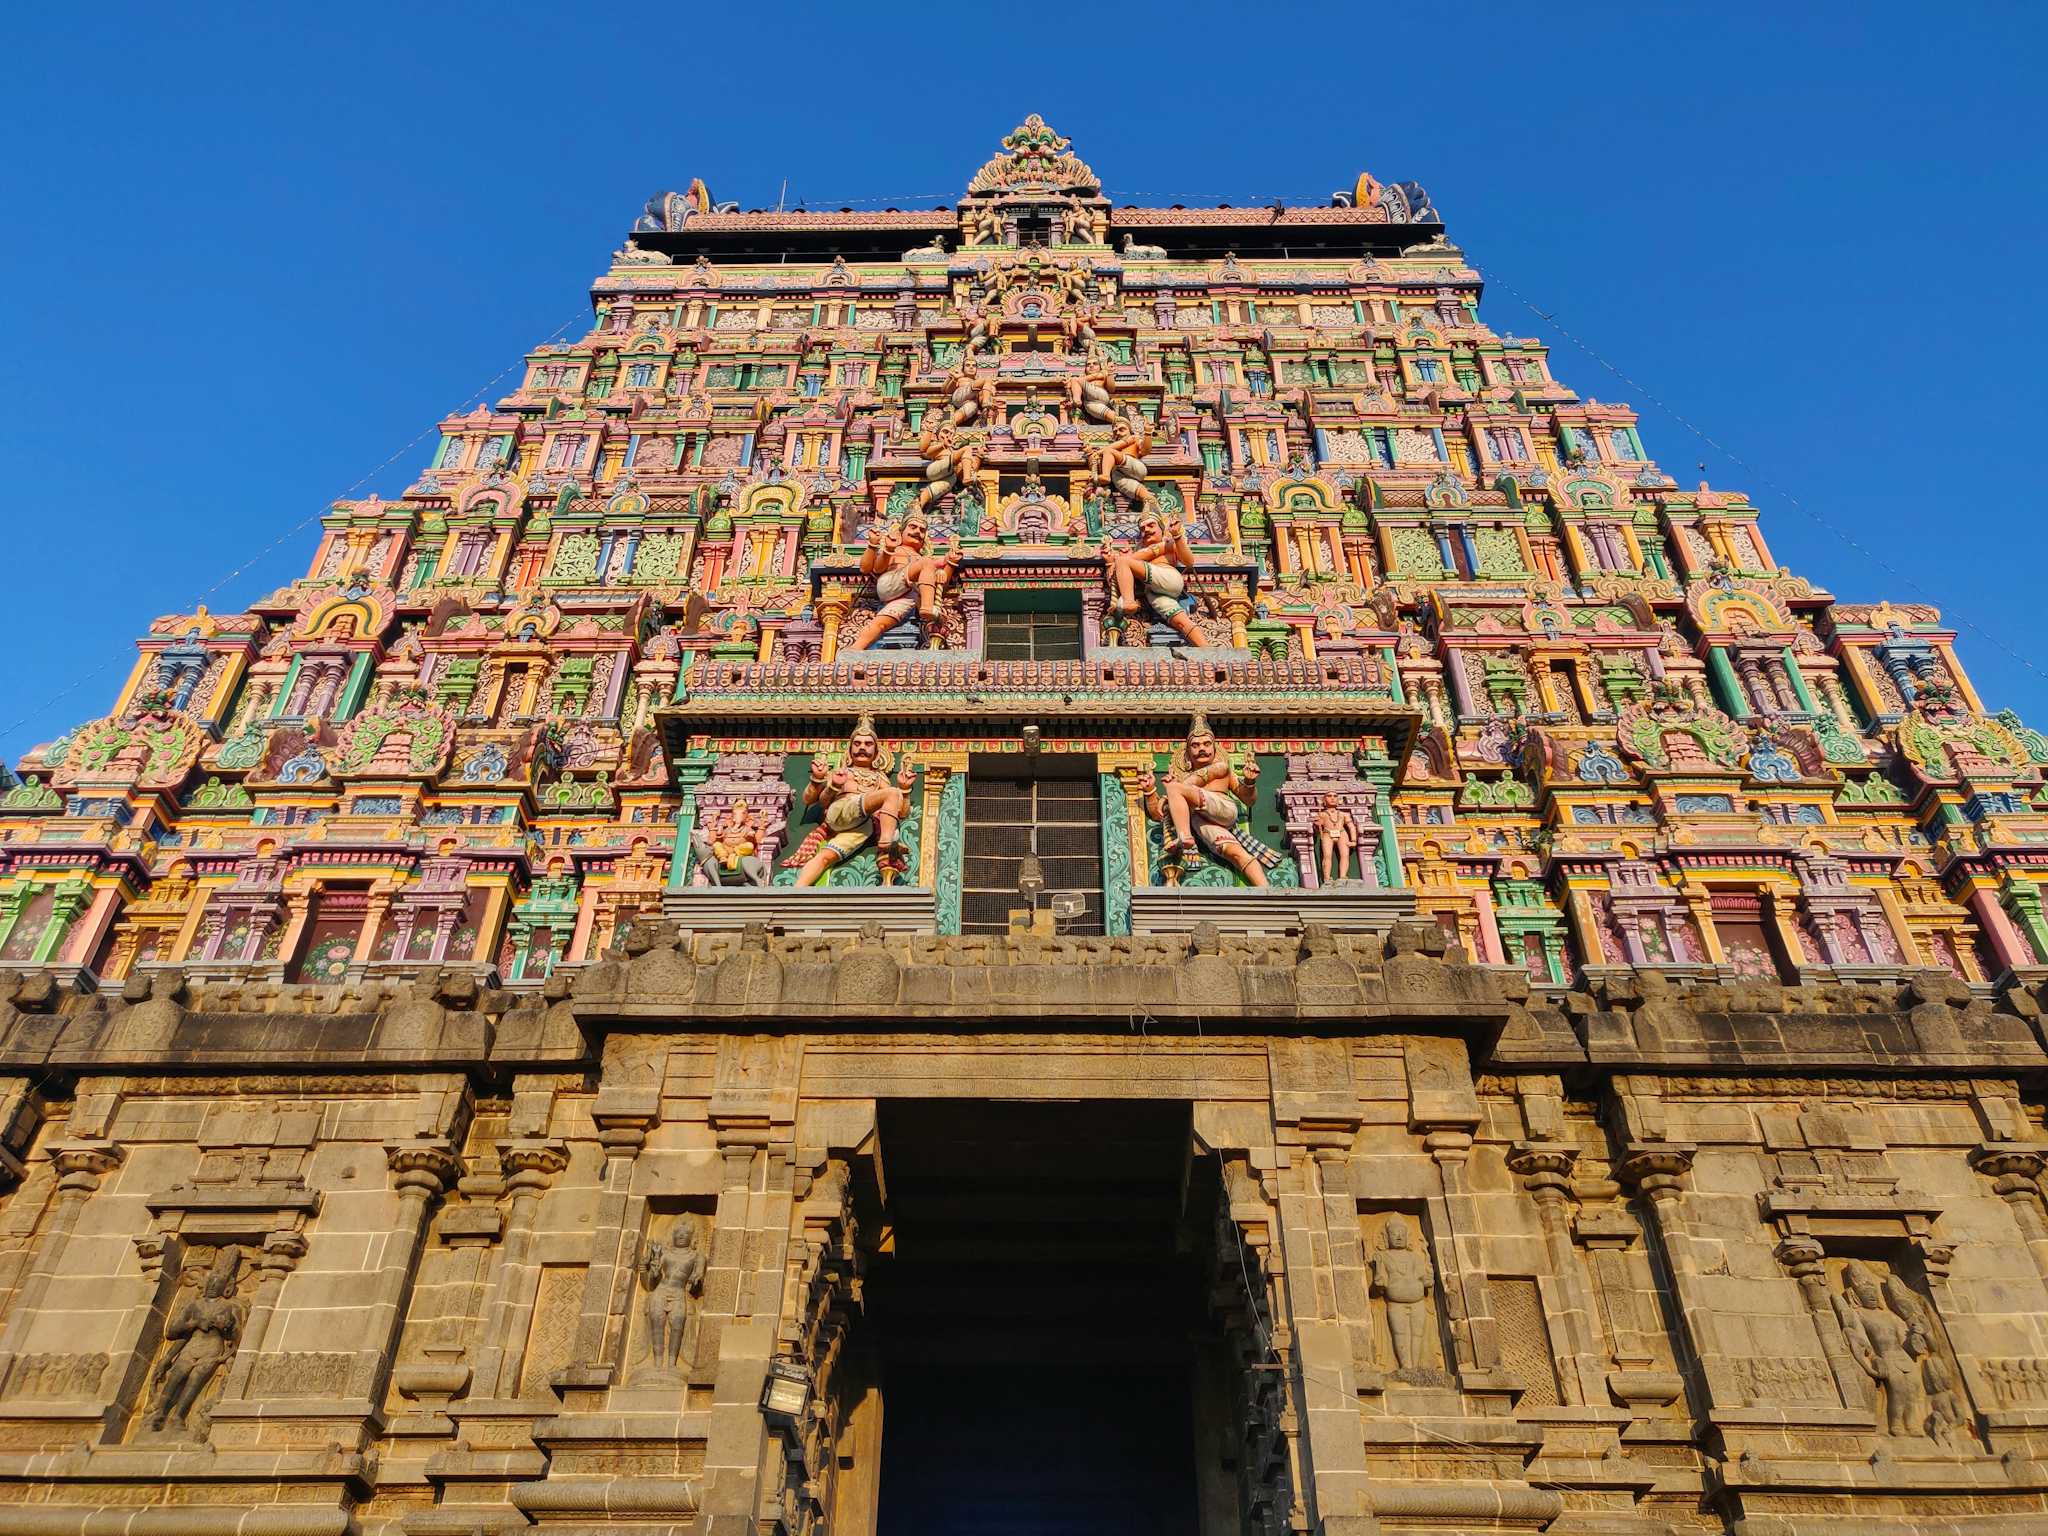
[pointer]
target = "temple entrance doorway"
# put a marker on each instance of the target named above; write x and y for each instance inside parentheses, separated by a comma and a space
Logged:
(1039, 1323)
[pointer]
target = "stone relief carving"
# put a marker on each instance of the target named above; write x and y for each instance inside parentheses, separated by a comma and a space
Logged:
(199, 1342)
(673, 1273)
(60, 1377)
(1891, 1339)
(1403, 1277)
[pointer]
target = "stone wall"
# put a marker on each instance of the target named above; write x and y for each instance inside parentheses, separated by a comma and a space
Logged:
(1653, 1258)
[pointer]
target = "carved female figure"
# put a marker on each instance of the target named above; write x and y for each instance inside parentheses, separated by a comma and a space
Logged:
(205, 1329)
(1882, 1343)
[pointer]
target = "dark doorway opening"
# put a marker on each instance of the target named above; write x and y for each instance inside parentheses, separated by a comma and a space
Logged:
(1038, 1315)
(1052, 808)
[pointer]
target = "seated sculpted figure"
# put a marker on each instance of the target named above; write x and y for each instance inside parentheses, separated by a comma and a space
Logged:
(728, 847)
(859, 801)
(908, 578)
(1203, 803)
(1157, 568)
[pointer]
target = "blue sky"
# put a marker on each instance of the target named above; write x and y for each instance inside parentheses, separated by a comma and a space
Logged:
(251, 253)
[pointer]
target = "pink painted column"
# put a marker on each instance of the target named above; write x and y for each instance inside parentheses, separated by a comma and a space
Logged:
(1495, 953)
(2011, 949)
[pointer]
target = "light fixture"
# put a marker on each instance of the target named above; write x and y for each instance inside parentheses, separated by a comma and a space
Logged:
(1031, 877)
(1031, 740)
(786, 1393)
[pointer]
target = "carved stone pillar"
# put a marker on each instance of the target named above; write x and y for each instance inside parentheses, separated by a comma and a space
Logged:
(273, 1263)
(1545, 1169)
(1805, 1261)
(623, 1115)
(530, 1166)
(2015, 1172)
(80, 1166)
(1657, 1171)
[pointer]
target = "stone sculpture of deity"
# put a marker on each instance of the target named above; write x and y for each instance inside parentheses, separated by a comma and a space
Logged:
(203, 1331)
(857, 800)
(908, 579)
(1158, 570)
(1404, 1277)
(1886, 1346)
(1336, 841)
(1203, 803)
(673, 1273)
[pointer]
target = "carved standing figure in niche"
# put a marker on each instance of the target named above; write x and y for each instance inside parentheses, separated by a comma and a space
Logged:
(1336, 841)
(1883, 1344)
(858, 801)
(204, 1330)
(1404, 1276)
(908, 579)
(1202, 804)
(728, 847)
(673, 1274)
(1158, 568)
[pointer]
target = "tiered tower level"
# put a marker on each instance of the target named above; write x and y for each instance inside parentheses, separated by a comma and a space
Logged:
(797, 474)
(470, 1022)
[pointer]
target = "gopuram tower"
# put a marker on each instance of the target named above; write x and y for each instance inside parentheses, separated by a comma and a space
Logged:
(1030, 867)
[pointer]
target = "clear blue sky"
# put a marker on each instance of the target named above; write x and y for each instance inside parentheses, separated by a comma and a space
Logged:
(252, 252)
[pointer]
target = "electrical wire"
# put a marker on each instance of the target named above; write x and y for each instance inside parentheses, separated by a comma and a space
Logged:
(289, 534)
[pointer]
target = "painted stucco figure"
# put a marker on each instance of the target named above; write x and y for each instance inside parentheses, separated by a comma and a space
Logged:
(909, 579)
(858, 802)
(1203, 805)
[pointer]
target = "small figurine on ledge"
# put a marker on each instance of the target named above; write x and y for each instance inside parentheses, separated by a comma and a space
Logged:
(908, 579)
(728, 847)
(1201, 805)
(857, 801)
(1336, 841)
(1159, 567)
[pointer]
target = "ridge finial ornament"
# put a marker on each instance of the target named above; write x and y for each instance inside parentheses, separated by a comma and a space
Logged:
(1034, 159)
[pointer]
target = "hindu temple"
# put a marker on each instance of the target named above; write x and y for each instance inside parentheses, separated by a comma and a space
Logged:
(1031, 867)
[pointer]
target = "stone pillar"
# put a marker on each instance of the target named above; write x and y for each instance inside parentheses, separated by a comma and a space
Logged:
(1657, 1171)
(623, 1116)
(80, 1166)
(530, 1165)
(1545, 1170)
(1805, 1261)
(2015, 1173)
